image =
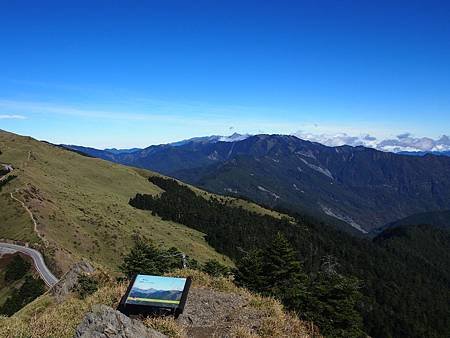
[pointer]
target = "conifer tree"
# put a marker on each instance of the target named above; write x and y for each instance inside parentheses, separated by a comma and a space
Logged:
(146, 258)
(274, 271)
(332, 302)
(215, 269)
(282, 272)
(249, 271)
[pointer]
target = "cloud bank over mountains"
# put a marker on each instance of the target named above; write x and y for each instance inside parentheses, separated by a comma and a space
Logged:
(402, 142)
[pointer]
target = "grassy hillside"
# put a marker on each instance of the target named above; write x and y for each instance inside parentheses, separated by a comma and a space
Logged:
(80, 205)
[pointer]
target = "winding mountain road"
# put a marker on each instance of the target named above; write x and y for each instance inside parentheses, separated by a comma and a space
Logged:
(38, 261)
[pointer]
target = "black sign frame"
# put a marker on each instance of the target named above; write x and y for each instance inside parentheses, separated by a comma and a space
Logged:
(153, 310)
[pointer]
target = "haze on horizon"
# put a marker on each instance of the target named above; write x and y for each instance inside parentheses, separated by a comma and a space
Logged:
(132, 74)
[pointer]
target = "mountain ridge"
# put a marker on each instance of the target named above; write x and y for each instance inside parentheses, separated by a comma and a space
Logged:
(352, 184)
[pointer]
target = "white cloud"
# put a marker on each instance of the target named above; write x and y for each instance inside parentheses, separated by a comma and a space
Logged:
(338, 139)
(402, 142)
(42, 107)
(407, 142)
(12, 117)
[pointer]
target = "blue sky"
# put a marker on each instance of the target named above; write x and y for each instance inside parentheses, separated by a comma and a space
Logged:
(159, 283)
(135, 73)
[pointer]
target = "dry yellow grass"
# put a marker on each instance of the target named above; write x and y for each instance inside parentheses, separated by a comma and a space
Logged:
(166, 325)
(36, 307)
(14, 328)
(205, 281)
(286, 325)
(277, 322)
(58, 320)
(242, 332)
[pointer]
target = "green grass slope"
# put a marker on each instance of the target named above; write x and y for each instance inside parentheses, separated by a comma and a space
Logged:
(80, 206)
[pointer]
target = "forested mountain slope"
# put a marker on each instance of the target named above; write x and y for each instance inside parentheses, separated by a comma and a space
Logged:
(404, 273)
(440, 219)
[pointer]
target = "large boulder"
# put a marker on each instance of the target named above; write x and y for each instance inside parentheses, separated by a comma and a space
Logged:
(61, 289)
(105, 322)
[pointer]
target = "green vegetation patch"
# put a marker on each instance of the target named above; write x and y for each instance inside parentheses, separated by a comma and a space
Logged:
(18, 287)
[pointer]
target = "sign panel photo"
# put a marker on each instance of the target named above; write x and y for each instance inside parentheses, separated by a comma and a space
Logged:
(155, 295)
(156, 291)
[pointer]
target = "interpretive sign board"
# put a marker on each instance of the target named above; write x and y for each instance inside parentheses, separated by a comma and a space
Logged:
(155, 295)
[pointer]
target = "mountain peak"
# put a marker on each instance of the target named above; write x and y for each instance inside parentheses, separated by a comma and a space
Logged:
(234, 137)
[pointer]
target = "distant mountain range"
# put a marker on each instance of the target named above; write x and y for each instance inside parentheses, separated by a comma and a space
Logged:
(360, 186)
(156, 294)
(122, 151)
(404, 144)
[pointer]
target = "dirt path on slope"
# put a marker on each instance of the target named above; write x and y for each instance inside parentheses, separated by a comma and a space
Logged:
(30, 213)
(22, 203)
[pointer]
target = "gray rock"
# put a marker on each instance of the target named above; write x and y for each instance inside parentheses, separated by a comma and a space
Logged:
(61, 289)
(105, 322)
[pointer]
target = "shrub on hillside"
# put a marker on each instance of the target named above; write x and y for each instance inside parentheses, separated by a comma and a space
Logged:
(215, 269)
(30, 290)
(16, 269)
(6, 180)
(86, 285)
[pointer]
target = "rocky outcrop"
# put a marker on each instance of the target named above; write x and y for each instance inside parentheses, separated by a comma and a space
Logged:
(105, 322)
(61, 289)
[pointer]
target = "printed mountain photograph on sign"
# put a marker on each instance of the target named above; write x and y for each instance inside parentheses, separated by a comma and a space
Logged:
(156, 291)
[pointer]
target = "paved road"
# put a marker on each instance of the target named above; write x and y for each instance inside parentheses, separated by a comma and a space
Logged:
(38, 260)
